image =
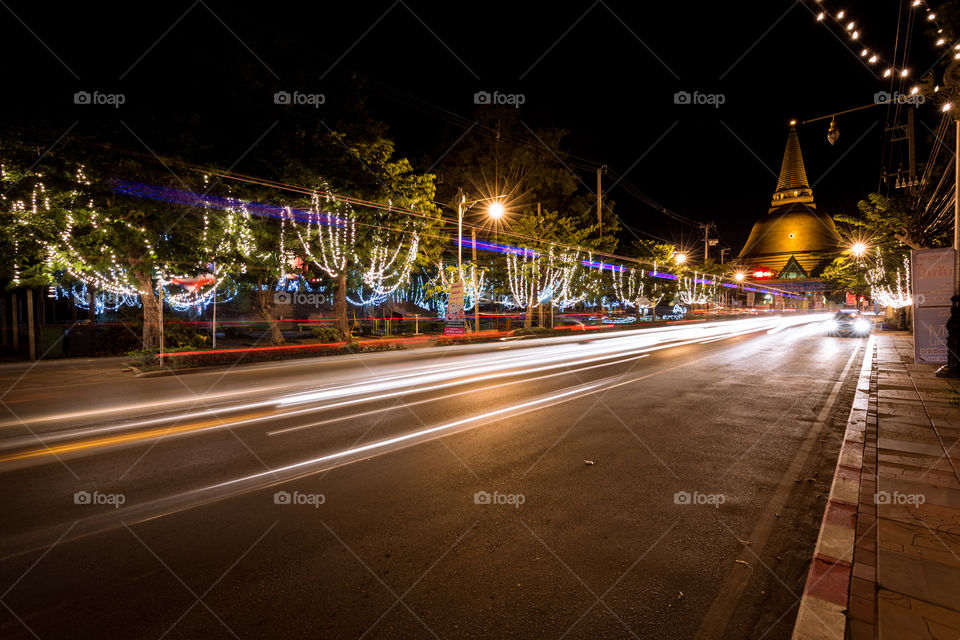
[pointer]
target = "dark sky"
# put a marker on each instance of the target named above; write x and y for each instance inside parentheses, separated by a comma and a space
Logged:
(608, 72)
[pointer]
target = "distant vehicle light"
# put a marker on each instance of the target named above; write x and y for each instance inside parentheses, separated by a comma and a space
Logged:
(762, 273)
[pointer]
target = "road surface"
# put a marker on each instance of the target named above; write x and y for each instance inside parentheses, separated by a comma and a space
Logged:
(656, 483)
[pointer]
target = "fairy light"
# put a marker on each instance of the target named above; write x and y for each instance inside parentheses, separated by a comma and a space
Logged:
(696, 290)
(890, 292)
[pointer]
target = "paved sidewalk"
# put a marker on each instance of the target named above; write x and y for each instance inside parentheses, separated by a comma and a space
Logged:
(887, 563)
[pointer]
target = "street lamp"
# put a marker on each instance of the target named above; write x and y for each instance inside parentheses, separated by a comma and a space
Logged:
(495, 210)
(858, 249)
(739, 276)
(680, 258)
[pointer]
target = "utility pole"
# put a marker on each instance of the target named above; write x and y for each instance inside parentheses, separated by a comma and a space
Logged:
(707, 241)
(31, 330)
(600, 170)
(476, 288)
(214, 304)
(952, 368)
(461, 199)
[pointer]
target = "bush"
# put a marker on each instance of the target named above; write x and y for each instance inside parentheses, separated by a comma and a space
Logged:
(178, 334)
(325, 334)
(142, 358)
(533, 331)
(115, 339)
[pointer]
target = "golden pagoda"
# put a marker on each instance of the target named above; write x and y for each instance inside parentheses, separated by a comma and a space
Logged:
(790, 241)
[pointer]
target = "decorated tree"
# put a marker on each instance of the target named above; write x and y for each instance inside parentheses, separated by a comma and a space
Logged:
(83, 230)
(548, 265)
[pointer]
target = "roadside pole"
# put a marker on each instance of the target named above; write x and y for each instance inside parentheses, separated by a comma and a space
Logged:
(952, 368)
(476, 290)
(214, 305)
(31, 330)
(161, 322)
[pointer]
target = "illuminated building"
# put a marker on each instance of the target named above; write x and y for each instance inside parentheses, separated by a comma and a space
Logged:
(789, 246)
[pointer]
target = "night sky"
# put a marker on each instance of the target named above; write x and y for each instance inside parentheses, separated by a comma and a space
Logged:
(607, 72)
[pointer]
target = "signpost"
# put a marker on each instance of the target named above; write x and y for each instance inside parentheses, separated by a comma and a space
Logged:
(932, 280)
(454, 325)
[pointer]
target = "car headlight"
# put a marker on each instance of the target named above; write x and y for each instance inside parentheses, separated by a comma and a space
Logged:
(832, 325)
(862, 326)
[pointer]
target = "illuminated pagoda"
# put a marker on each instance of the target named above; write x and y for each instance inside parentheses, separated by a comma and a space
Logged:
(790, 245)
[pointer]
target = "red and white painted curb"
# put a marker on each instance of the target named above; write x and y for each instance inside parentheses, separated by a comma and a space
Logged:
(824, 602)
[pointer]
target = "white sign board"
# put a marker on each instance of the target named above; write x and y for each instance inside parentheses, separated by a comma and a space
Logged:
(932, 279)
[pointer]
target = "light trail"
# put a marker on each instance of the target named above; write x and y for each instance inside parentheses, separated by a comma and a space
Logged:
(514, 410)
(461, 351)
(493, 366)
(448, 396)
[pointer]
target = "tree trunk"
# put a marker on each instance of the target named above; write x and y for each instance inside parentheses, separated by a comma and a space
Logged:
(265, 303)
(151, 312)
(528, 318)
(340, 308)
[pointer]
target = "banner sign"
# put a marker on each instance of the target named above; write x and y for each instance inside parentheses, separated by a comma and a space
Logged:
(932, 280)
(454, 325)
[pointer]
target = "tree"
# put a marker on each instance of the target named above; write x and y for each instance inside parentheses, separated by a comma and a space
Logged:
(503, 158)
(547, 265)
(914, 220)
(84, 230)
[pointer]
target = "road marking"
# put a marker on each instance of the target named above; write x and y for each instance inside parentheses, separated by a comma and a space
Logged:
(718, 616)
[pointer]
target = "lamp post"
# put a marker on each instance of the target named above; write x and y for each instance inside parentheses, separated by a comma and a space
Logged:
(495, 210)
(858, 250)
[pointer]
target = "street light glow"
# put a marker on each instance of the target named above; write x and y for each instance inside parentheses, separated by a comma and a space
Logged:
(739, 276)
(680, 258)
(495, 210)
(858, 249)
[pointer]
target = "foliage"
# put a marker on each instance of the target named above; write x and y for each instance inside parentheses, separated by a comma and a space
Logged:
(897, 223)
(502, 157)
(325, 334)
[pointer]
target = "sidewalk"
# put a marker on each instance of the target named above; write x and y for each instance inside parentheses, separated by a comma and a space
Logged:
(887, 562)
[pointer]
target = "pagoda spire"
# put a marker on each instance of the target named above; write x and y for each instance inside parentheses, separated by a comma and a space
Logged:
(793, 185)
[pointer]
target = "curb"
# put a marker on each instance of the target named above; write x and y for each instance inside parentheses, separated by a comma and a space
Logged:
(823, 607)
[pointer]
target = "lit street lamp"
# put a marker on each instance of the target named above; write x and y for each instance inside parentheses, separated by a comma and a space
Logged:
(495, 210)
(680, 258)
(858, 249)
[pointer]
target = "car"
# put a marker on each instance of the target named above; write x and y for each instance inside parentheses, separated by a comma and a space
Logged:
(848, 322)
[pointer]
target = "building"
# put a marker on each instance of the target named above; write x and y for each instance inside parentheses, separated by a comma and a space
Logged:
(793, 242)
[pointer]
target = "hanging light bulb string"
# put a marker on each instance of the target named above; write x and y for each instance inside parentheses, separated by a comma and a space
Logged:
(852, 30)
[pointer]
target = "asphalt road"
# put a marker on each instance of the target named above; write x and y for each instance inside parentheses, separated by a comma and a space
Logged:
(656, 483)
